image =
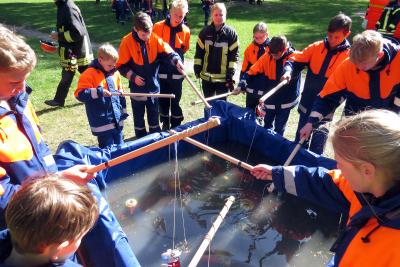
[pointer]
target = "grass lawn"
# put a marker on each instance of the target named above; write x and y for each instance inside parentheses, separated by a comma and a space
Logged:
(302, 22)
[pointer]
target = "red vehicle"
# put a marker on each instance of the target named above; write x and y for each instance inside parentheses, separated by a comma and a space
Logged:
(374, 12)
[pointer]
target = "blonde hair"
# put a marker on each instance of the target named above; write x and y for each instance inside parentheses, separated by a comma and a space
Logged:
(260, 27)
(107, 51)
(179, 5)
(15, 53)
(49, 211)
(365, 44)
(372, 136)
(218, 6)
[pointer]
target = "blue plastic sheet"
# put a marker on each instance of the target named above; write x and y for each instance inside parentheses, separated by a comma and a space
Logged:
(106, 244)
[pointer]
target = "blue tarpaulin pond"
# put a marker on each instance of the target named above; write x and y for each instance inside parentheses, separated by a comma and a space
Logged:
(180, 191)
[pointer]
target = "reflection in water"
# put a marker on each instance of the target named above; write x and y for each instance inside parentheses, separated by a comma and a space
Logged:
(261, 229)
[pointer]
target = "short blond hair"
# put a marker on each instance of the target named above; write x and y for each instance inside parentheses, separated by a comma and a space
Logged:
(260, 27)
(372, 136)
(49, 211)
(179, 5)
(219, 6)
(365, 44)
(15, 53)
(107, 51)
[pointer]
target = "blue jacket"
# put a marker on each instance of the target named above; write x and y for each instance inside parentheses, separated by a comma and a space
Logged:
(143, 59)
(266, 73)
(105, 114)
(23, 154)
(378, 88)
(321, 63)
(371, 235)
(6, 248)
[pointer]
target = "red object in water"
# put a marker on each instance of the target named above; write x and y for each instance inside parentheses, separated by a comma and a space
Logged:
(176, 263)
(48, 46)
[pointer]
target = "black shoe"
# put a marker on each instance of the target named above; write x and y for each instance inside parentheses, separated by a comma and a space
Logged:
(53, 103)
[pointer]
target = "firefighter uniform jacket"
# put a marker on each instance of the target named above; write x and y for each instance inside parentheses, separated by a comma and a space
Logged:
(321, 62)
(378, 88)
(217, 54)
(388, 24)
(371, 236)
(73, 39)
(105, 114)
(179, 40)
(143, 59)
(23, 152)
(272, 70)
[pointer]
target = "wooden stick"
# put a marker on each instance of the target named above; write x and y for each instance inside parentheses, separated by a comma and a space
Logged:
(272, 91)
(200, 95)
(211, 98)
(211, 123)
(294, 152)
(211, 232)
(218, 153)
(289, 159)
(144, 94)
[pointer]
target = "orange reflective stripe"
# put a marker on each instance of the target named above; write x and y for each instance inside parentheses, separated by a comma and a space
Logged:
(14, 145)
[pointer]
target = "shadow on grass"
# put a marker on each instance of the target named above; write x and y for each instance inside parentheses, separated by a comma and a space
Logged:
(47, 110)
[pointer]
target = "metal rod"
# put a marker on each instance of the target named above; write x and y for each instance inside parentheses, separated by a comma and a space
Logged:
(211, 123)
(211, 232)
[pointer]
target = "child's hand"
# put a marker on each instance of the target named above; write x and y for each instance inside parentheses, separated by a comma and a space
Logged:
(305, 132)
(106, 93)
(286, 76)
(236, 91)
(78, 174)
(139, 81)
(180, 67)
(262, 171)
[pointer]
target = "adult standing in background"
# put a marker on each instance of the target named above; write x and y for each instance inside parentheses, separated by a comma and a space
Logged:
(217, 53)
(75, 49)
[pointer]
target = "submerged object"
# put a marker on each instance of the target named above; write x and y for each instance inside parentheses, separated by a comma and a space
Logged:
(131, 204)
(171, 258)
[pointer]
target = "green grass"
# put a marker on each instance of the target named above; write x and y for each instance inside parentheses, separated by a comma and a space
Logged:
(302, 22)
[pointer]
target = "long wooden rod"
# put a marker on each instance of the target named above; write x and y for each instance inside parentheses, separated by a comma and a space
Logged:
(218, 153)
(207, 239)
(272, 91)
(211, 98)
(211, 123)
(200, 95)
(144, 94)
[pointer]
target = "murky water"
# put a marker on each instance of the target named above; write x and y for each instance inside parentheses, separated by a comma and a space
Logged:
(261, 229)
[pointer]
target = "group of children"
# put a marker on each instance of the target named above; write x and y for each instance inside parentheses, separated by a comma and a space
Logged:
(365, 75)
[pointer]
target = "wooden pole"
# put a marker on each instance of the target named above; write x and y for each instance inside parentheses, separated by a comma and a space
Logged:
(289, 159)
(211, 123)
(200, 95)
(211, 98)
(144, 94)
(294, 152)
(272, 91)
(218, 153)
(211, 232)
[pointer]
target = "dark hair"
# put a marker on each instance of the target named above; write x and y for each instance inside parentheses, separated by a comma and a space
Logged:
(142, 22)
(340, 22)
(277, 44)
